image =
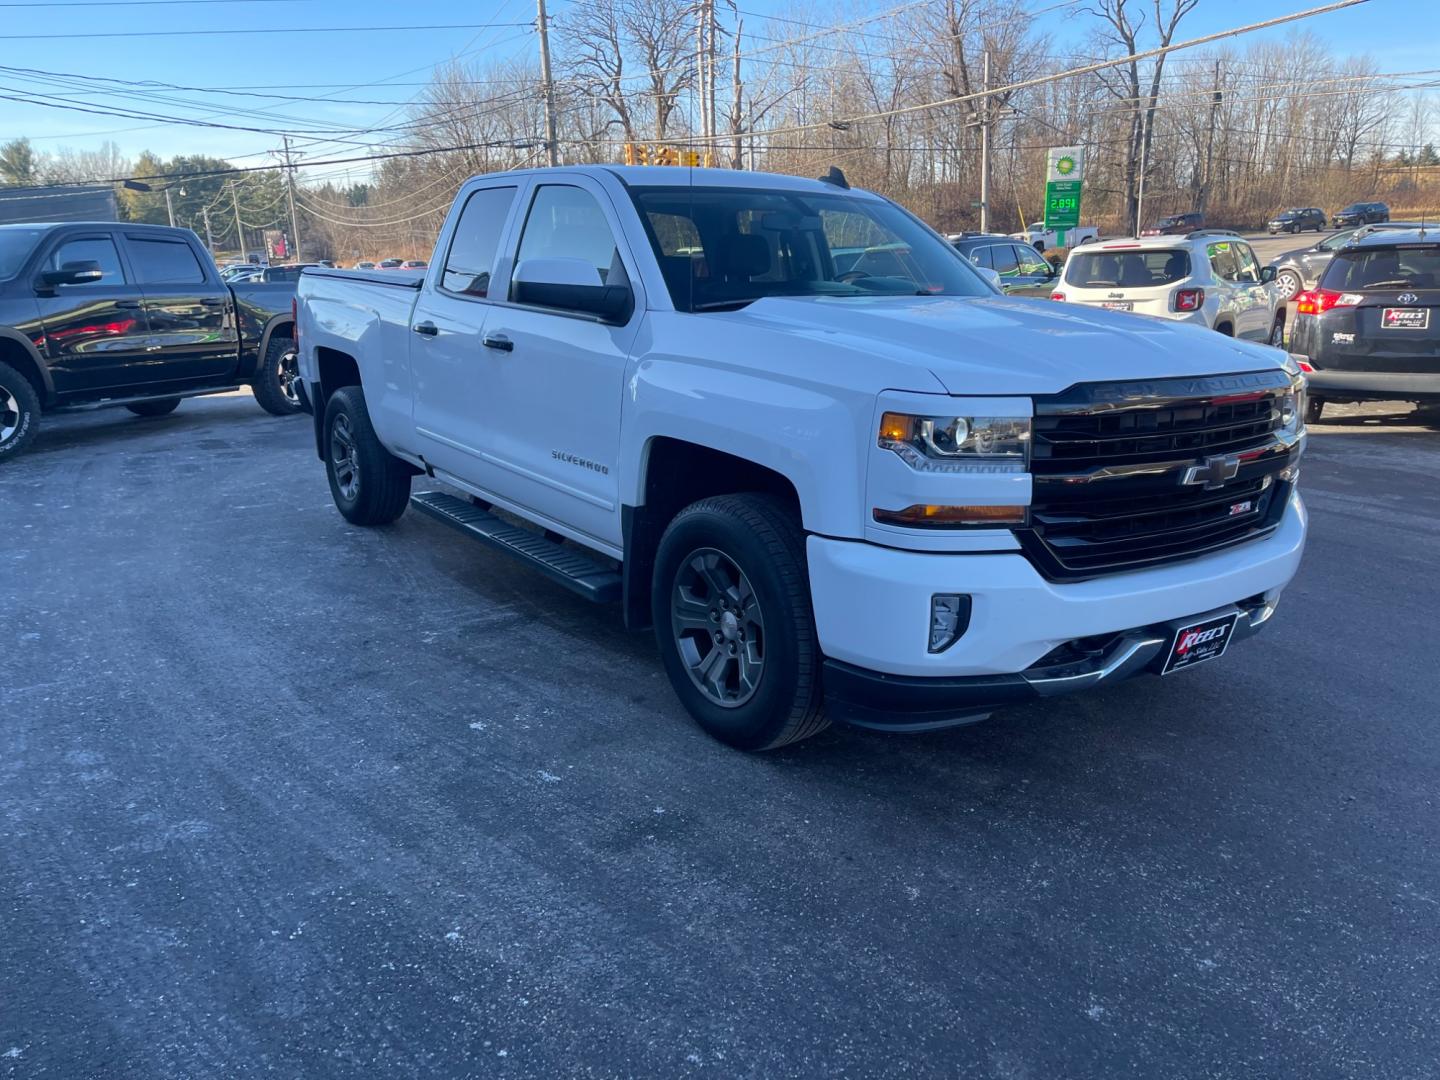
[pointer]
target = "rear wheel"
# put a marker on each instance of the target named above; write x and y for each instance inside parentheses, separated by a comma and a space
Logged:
(1277, 332)
(1313, 410)
(731, 607)
(370, 485)
(163, 407)
(275, 383)
(19, 412)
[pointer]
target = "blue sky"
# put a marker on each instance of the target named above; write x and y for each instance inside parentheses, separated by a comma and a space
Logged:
(389, 67)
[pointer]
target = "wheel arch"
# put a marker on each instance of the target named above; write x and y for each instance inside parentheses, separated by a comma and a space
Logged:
(674, 473)
(336, 369)
(20, 353)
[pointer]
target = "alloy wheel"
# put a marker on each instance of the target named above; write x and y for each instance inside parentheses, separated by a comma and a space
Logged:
(9, 415)
(289, 374)
(718, 627)
(344, 459)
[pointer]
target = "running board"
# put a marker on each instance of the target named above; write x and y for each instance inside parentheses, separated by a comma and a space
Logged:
(577, 572)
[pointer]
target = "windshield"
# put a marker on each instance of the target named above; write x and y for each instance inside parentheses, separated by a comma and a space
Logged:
(1354, 208)
(1384, 268)
(1340, 239)
(725, 247)
(1285, 215)
(1126, 269)
(15, 247)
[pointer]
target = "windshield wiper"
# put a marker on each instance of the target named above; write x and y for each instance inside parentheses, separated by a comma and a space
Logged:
(723, 305)
(1397, 283)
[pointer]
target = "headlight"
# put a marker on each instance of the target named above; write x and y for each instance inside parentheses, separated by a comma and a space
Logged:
(958, 443)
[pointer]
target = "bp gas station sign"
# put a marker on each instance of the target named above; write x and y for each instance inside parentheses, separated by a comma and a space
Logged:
(1064, 171)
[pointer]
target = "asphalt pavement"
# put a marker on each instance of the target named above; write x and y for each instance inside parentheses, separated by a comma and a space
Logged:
(282, 797)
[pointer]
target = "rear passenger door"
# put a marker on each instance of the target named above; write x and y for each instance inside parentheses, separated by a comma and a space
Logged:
(1253, 298)
(96, 336)
(190, 311)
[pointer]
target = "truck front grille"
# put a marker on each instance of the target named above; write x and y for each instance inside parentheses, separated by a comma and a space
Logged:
(1109, 460)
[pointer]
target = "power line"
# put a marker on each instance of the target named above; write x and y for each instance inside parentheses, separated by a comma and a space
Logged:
(263, 30)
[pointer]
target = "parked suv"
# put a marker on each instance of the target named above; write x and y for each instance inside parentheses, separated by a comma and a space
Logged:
(1371, 330)
(1301, 268)
(1208, 277)
(1021, 269)
(112, 313)
(1175, 225)
(1362, 213)
(1297, 220)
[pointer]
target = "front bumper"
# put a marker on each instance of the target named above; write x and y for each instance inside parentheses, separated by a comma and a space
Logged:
(872, 612)
(872, 699)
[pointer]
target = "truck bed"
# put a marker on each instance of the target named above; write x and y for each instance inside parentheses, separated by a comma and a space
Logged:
(405, 279)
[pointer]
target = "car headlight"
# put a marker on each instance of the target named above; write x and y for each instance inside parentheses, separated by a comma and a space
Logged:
(958, 443)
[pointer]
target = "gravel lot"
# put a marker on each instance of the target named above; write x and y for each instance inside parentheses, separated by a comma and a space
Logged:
(283, 797)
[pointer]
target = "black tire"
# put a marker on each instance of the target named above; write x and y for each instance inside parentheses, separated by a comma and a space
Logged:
(761, 537)
(370, 485)
(1314, 409)
(1277, 332)
(163, 407)
(19, 412)
(274, 387)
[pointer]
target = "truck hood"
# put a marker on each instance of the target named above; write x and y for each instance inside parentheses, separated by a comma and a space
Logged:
(999, 345)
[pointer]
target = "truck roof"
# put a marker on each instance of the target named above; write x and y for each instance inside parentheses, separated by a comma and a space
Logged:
(135, 226)
(680, 176)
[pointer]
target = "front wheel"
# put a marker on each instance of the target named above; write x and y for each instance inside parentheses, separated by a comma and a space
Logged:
(370, 485)
(1277, 333)
(19, 412)
(731, 606)
(275, 383)
(1287, 284)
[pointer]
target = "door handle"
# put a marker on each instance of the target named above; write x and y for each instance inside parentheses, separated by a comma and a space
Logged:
(212, 301)
(127, 303)
(429, 329)
(498, 341)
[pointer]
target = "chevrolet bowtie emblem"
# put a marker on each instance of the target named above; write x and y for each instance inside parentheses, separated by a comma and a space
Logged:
(1214, 472)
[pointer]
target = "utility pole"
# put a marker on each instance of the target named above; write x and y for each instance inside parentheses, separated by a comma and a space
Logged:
(239, 231)
(169, 208)
(209, 237)
(737, 160)
(542, 25)
(1140, 195)
(290, 194)
(700, 17)
(1215, 98)
(985, 146)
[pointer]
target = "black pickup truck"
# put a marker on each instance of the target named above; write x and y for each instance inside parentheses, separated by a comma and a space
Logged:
(109, 313)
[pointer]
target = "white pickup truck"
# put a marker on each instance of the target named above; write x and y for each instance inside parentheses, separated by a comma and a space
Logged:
(883, 494)
(1043, 239)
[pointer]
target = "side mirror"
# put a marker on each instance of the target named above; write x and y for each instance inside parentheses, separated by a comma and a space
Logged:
(992, 276)
(74, 273)
(572, 285)
(1267, 275)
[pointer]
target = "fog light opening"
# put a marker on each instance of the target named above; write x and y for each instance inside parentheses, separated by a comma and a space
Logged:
(949, 619)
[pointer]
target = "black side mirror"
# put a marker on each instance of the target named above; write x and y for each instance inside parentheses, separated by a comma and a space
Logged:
(1267, 275)
(571, 285)
(74, 273)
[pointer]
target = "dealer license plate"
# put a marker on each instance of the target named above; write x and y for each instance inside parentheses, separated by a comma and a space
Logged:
(1197, 642)
(1405, 318)
(1119, 305)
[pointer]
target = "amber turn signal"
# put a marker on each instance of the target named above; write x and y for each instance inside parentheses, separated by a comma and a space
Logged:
(925, 515)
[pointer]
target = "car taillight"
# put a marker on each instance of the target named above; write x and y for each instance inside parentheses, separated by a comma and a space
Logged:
(1057, 296)
(1189, 299)
(1319, 301)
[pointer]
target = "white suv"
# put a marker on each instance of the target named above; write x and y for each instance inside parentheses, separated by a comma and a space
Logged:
(1208, 277)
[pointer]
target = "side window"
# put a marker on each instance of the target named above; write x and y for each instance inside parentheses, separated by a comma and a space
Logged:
(1249, 268)
(100, 249)
(981, 257)
(567, 223)
(1003, 258)
(1031, 261)
(165, 262)
(472, 252)
(1223, 261)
